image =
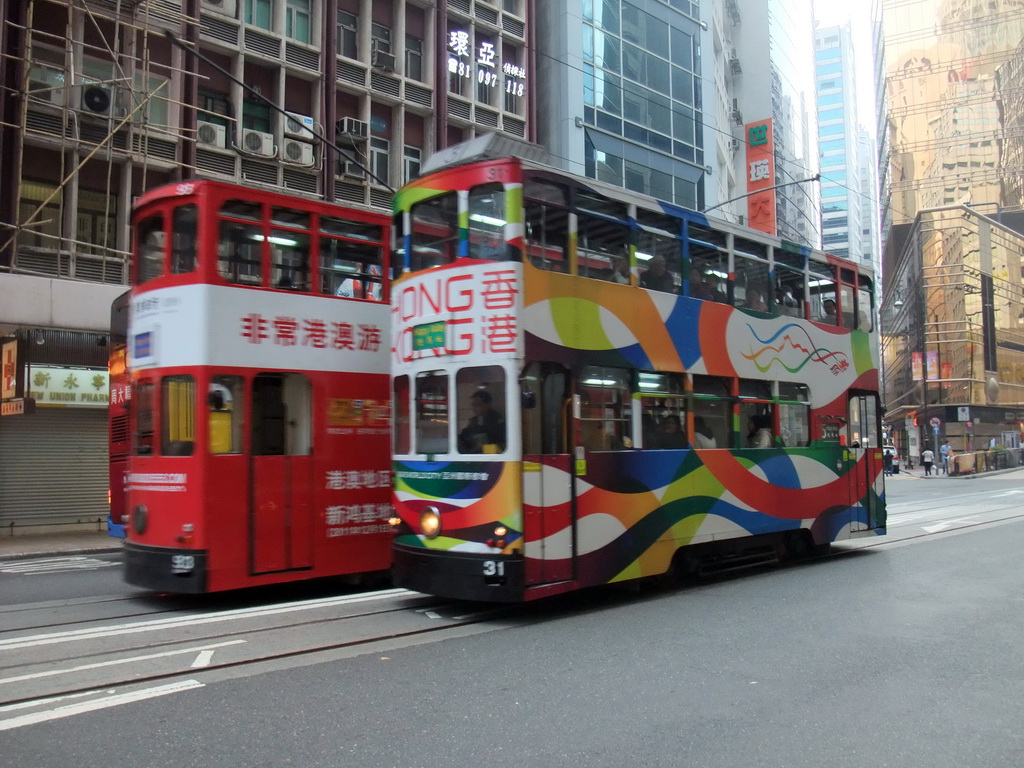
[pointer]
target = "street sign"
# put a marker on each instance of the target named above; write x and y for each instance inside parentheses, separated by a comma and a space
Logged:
(936, 431)
(936, 422)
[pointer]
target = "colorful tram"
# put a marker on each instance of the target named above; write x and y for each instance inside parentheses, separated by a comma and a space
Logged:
(662, 391)
(259, 417)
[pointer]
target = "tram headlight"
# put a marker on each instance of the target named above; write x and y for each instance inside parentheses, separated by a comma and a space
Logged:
(430, 522)
(140, 518)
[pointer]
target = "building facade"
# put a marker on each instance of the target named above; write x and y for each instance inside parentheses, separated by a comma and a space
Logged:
(841, 210)
(765, 72)
(952, 314)
(622, 93)
(97, 107)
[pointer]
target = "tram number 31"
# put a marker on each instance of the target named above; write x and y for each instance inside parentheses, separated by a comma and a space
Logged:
(182, 563)
(494, 568)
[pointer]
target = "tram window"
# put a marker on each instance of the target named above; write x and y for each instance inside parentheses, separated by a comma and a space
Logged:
(656, 245)
(183, 247)
(351, 270)
(547, 236)
(862, 429)
(606, 412)
(794, 414)
(178, 415)
(751, 284)
(594, 203)
(600, 242)
(480, 400)
(143, 407)
(435, 232)
(432, 412)
(487, 223)
(281, 415)
(709, 237)
(351, 230)
(240, 253)
(822, 289)
(242, 209)
(400, 407)
(757, 414)
(289, 260)
(789, 291)
(151, 240)
(289, 217)
(847, 305)
(224, 409)
(545, 191)
(712, 407)
(712, 420)
(865, 305)
(709, 273)
(662, 410)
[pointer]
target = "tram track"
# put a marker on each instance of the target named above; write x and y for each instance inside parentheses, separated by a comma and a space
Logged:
(254, 662)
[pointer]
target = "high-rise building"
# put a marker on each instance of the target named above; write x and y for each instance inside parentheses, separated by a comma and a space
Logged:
(622, 94)
(764, 71)
(953, 308)
(841, 167)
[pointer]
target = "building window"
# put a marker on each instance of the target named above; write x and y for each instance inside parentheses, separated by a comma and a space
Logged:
(256, 117)
(259, 13)
(348, 35)
(414, 58)
(379, 150)
(381, 38)
(412, 160)
(297, 18)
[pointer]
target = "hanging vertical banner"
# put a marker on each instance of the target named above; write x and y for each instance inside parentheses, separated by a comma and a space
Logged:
(760, 169)
(916, 372)
(933, 365)
(9, 370)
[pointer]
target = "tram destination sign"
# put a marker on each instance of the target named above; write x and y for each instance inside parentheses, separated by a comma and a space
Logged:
(428, 336)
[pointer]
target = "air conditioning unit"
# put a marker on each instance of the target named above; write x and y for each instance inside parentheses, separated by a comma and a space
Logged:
(382, 60)
(353, 170)
(99, 99)
(354, 129)
(258, 143)
(299, 125)
(734, 144)
(298, 152)
(226, 7)
(212, 134)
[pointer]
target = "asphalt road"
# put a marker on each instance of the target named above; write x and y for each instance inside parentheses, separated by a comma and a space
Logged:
(897, 652)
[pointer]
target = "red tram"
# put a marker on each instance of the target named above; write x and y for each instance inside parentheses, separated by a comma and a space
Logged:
(117, 413)
(258, 351)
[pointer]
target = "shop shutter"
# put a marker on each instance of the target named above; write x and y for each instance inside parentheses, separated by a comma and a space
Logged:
(53, 468)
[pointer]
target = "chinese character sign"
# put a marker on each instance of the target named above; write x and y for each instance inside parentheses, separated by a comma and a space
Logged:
(466, 312)
(482, 62)
(760, 170)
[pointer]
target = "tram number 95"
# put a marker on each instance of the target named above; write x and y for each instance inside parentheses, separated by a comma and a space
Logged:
(494, 568)
(182, 563)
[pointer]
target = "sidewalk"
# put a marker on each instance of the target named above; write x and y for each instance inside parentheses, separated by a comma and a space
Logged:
(918, 472)
(57, 543)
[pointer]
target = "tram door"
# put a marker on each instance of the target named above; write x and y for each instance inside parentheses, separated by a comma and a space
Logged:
(864, 441)
(549, 519)
(280, 484)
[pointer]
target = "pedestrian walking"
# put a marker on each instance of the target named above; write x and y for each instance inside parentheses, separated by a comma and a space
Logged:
(927, 458)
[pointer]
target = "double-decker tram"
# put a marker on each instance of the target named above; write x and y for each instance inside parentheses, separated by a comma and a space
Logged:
(260, 413)
(117, 413)
(590, 386)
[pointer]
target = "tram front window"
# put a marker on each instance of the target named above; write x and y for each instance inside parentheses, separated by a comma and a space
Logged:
(481, 405)
(178, 412)
(224, 407)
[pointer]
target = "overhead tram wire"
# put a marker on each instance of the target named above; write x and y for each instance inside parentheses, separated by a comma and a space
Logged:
(275, 106)
(707, 127)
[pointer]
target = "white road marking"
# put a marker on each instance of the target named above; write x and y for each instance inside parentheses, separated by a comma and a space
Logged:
(161, 625)
(91, 706)
(114, 662)
(203, 659)
(53, 565)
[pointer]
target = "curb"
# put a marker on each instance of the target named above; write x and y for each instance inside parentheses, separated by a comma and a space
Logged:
(59, 552)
